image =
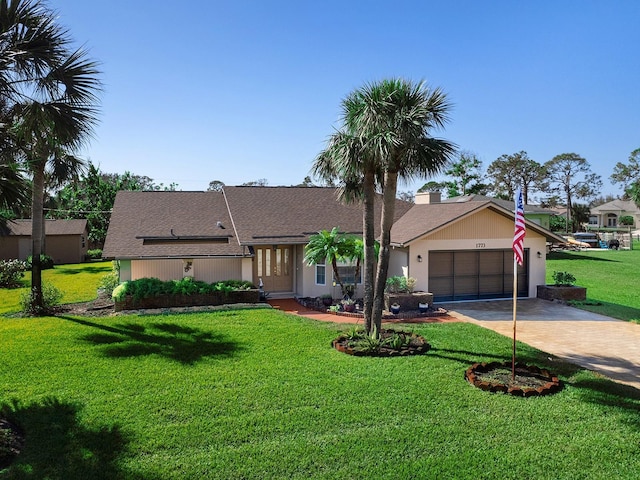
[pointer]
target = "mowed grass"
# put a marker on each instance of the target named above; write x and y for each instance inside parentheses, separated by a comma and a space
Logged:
(612, 279)
(77, 282)
(259, 394)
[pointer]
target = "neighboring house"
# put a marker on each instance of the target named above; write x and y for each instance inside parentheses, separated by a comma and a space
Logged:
(65, 240)
(608, 214)
(259, 234)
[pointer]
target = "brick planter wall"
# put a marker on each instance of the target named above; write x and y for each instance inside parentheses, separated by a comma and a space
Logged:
(408, 301)
(216, 298)
(559, 292)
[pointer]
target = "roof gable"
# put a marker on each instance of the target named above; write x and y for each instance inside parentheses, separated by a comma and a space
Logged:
(428, 219)
(617, 206)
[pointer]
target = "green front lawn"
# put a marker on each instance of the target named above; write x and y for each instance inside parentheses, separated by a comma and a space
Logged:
(612, 278)
(78, 282)
(260, 394)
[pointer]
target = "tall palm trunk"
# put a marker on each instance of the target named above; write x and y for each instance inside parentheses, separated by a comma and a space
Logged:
(386, 222)
(368, 219)
(37, 233)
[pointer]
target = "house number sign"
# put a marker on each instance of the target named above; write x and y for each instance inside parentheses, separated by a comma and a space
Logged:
(480, 245)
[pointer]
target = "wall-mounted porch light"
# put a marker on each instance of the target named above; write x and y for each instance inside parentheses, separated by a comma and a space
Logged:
(419, 258)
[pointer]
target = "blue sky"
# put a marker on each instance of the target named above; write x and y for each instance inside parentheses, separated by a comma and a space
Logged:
(240, 90)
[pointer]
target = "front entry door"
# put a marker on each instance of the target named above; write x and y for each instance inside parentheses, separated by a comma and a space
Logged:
(273, 265)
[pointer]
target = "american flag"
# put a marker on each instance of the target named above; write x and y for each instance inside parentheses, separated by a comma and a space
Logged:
(518, 236)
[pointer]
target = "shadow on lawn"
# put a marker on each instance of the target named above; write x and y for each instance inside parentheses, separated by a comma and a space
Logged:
(58, 446)
(623, 312)
(177, 342)
(84, 269)
(577, 256)
(612, 396)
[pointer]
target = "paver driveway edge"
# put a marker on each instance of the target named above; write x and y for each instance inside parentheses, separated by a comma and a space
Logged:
(602, 344)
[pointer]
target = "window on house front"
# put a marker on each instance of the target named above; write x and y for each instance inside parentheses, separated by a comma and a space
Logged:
(593, 220)
(347, 274)
(321, 274)
(612, 220)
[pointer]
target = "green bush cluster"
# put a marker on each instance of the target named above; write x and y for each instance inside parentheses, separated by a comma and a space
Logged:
(51, 297)
(153, 287)
(400, 284)
(11, 272)
(46, 262)
(94, 254)
(564, 279)
(110, 281)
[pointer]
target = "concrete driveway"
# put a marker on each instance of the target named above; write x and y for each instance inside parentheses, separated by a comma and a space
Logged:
(603, 344)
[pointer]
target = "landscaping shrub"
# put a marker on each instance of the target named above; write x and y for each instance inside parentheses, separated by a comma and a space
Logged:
(110, 281)
(11, 271)
(94, 254)
(564, 278)
(46, 262)
(400, 284)
(153, 287)
(51, 297)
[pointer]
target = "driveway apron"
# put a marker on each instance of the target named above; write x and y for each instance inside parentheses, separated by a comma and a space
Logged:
(602, 344)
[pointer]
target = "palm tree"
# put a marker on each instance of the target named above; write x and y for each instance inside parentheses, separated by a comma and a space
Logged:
(51, 91)
(386, 137)
(328, 246)
(347, 161)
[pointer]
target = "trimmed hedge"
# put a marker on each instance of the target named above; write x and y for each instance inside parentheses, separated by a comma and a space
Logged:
(154, 293)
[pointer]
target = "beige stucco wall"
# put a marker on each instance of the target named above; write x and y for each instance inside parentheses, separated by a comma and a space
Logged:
(208, 270)
(66, 248)
(485, 230)
(305, 283)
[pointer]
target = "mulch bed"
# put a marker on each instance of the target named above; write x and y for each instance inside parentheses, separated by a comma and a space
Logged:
(415, 345)
(529, 380)
(11, 442)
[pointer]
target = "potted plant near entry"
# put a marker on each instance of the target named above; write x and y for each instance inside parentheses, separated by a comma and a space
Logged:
(395, 308)
(348, 305)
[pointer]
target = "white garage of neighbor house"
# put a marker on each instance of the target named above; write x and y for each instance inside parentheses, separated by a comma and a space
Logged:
(462, 250)
(457, 250)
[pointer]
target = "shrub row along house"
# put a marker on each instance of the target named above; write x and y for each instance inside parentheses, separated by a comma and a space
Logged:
(457, 249)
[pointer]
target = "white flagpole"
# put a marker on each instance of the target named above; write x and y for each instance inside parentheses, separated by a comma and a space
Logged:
(515, 305)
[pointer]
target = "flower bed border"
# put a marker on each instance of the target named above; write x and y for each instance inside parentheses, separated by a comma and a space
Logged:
(312, 303)
(340, 344)
(553, 384)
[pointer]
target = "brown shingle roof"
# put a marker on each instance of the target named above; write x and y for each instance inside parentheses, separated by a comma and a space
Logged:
(267, 215)
(52, 227)
(184, 224)
(170, 224)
